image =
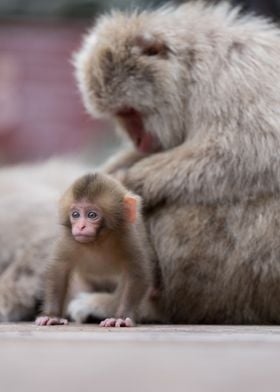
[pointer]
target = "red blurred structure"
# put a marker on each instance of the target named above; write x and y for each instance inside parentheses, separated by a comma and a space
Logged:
(40, 109)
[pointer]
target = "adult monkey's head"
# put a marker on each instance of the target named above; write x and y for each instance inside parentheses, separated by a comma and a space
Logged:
(130, 68)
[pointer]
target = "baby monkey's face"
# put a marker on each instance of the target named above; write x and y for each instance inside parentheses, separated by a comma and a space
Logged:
(86, 220)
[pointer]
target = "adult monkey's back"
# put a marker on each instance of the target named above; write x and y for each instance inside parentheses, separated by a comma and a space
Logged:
(197, 89)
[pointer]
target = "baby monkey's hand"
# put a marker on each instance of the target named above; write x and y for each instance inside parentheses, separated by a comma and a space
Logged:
(117, 322)
(48, 320)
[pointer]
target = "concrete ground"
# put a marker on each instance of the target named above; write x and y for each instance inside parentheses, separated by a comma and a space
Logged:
(150, 358)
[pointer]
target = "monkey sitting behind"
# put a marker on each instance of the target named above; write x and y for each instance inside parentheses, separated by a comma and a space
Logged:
(103, 236)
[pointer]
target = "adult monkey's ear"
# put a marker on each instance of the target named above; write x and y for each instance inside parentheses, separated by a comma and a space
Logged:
(132, 205)
(150, 45)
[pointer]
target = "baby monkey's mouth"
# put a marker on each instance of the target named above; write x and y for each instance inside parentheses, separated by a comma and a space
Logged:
(84, 239)
(132, 122)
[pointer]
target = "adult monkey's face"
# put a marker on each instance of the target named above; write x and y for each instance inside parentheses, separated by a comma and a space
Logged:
(128, 70)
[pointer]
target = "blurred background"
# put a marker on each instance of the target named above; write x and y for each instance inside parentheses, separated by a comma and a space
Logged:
(41, 114)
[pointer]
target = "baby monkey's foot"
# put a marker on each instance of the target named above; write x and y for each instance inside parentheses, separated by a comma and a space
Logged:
(117, 322)
(46, 320)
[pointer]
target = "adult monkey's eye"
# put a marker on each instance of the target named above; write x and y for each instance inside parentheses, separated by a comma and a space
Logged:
(151, 46)
(92, 215)
(75, 214)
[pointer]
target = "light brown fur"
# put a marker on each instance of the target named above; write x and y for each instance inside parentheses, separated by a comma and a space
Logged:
(207, 85)
(28, 197)
(205, 82)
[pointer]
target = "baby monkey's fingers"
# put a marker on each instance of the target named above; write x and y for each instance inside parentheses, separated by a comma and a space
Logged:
(46, 320)
(117, 322)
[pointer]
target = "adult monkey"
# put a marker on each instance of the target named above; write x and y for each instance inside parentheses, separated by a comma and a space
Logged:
(197, 90)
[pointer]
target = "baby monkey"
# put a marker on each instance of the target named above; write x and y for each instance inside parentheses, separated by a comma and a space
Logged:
(102, 236)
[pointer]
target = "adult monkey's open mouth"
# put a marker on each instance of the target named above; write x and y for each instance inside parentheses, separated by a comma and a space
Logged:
(132, 122)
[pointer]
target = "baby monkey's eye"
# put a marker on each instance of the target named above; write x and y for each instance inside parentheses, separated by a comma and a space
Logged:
(92, 215)
(75, 214)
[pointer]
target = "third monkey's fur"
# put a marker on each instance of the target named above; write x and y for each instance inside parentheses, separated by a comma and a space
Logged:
(205, 82)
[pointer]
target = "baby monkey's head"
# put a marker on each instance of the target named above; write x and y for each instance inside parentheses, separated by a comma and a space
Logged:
(129, 69)
(95, 204)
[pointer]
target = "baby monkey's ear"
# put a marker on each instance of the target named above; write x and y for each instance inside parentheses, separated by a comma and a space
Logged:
(132, 205)
(151, 45)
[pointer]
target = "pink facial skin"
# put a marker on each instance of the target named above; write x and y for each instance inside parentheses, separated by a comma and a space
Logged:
(85, 219)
